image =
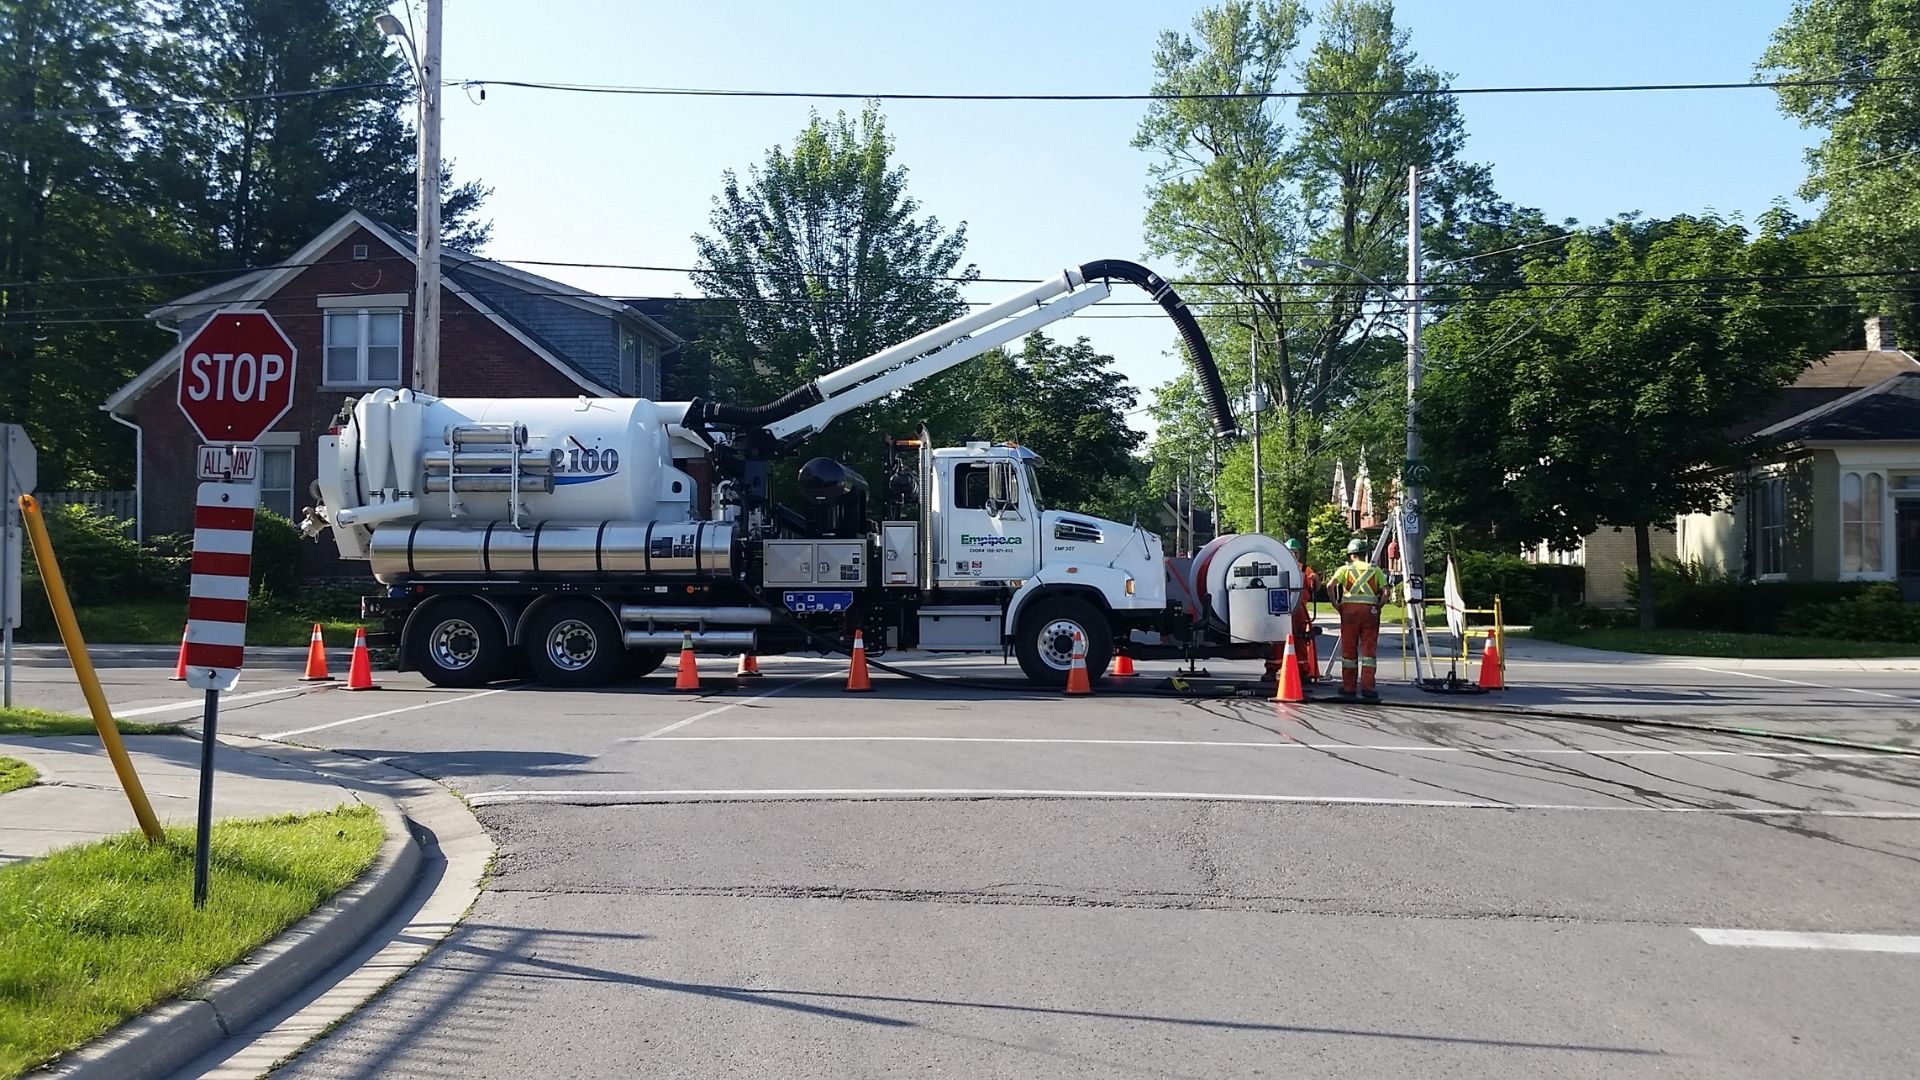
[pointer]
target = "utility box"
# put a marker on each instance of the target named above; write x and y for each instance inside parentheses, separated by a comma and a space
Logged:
(840, 563)
(1259, 600)
(900, 554)
(788, 562)
(961, 628)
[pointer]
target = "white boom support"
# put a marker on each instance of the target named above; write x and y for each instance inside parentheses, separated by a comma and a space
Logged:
(933, 352)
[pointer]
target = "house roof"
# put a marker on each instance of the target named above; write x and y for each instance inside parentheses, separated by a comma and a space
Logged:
(565, 326)
(1827, 380)
(1889, 410)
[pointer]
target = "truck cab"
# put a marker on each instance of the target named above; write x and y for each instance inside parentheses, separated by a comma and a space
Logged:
(1061, 575)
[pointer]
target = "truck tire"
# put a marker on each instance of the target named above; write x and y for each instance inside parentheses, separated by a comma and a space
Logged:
(574, 643)
(1044, 642)
(643, 662)
(457, 643)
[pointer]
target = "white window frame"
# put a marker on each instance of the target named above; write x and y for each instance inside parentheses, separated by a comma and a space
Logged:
(1763, 506)
(360, 362)
(274, 442)
(1874, 515)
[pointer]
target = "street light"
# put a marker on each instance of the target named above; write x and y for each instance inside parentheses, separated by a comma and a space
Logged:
(426, 277)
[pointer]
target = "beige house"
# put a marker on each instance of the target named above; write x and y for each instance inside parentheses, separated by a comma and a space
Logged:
(1835, 497)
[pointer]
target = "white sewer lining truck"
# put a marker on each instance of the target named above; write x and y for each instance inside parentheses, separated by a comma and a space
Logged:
(562, 537)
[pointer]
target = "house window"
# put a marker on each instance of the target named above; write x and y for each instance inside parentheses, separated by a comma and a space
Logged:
(1770, 504)
(276, 480)
(362, 348)
(1862, 523)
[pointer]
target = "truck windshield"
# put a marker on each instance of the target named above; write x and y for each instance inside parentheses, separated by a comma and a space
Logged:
(1032, 482)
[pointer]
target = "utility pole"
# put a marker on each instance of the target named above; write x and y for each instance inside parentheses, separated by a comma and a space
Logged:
(1253, 371)
(1413, 473)
(426, 306)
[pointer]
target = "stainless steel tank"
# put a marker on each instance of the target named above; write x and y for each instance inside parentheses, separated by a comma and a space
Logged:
(679, 549)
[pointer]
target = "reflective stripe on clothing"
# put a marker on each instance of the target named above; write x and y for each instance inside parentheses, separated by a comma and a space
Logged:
(1360, 583)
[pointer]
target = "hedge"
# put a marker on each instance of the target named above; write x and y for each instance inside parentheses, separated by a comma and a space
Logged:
(1686, 595)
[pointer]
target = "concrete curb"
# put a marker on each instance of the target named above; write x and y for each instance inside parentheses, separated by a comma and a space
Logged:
(156, 1043)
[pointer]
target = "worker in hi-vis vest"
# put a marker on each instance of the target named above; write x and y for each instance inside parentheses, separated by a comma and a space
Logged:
(1357, 591)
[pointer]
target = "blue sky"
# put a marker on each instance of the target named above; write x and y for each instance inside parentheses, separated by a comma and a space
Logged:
(1045, 185)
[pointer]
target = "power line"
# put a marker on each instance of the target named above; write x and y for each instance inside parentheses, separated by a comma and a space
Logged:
(127, 107)
(1248, 95)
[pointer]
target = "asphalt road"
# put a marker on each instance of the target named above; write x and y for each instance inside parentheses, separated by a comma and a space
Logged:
(780, 879)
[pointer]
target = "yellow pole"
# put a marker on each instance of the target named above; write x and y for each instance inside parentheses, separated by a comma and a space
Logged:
(1500, 635)
(83, 667)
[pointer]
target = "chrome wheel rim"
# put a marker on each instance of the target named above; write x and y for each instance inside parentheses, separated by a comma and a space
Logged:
(1056, 643)
(572, 645)
(454, 645)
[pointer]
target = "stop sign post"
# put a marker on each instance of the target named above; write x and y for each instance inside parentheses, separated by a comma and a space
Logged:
(236, 381)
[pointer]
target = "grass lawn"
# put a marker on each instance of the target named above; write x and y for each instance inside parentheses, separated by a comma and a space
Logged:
(21, 721)
(16, 774)
(99, 932)
(1722, 643)
(159, 622)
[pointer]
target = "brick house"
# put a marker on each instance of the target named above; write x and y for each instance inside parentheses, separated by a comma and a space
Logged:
(345, 300)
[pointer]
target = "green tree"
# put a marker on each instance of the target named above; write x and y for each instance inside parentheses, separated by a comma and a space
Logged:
(1602, 392)
(825, 259)
(1243, 185)
(255, 179)
(1864, 170)
(1067, 404)
(74, 210)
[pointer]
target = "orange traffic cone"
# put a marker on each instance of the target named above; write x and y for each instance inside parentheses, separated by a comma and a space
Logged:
(857, 681)
(749, 667)
(688, 680)
(1122, 667)
(180, 665)
(1077, 674)
(360, 669)
(1491, 675)
(1287, 687)
(316, 659)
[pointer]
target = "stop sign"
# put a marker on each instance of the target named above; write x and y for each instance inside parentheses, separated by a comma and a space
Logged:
(236, 376)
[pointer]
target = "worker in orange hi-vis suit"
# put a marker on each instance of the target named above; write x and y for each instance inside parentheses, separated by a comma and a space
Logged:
(1357, 590)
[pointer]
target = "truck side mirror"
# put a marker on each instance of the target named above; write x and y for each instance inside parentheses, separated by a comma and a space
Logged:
(1003, 488)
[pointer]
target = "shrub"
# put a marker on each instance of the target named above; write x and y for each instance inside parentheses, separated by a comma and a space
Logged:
(1690, 596)
(1564, 621)
(1878, 614)
(276, 557)
(1527, 590)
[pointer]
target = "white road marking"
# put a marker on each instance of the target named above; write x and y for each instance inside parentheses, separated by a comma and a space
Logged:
(678, 724)
(1803, 682)
(1794, 939)
(466, 696)
(1403, 749)
(489, 798)
(198, 702)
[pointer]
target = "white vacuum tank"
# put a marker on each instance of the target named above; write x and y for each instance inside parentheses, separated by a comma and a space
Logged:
(408, 458)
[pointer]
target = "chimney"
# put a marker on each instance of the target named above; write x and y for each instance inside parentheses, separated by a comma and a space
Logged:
(1880, 334)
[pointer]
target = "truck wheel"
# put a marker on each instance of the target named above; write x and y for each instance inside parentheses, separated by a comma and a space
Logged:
(644, 662)
(457, 643)
(574, 643)
(1045, 641)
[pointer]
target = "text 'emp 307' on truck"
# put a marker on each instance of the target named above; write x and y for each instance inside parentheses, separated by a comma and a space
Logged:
(565, 536)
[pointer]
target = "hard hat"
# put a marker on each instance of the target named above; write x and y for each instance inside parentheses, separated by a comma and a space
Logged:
(1356, 546)
(1293, 544)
